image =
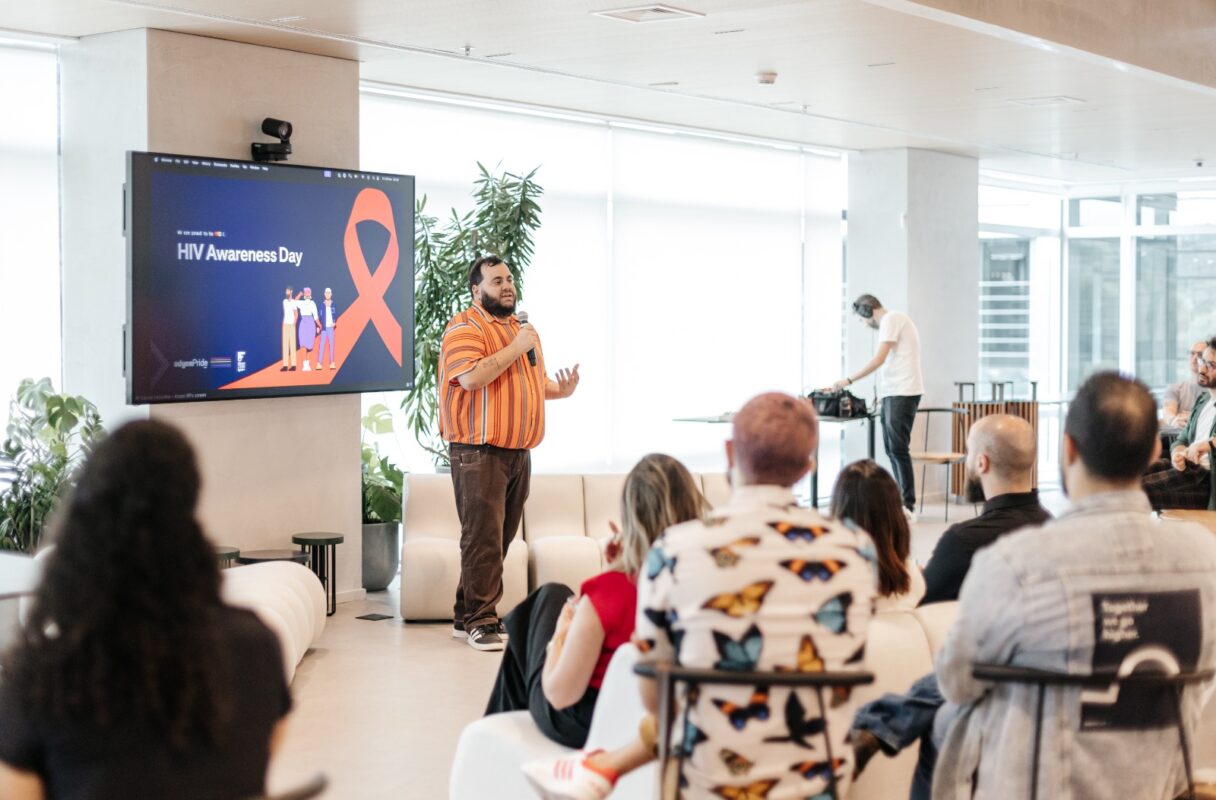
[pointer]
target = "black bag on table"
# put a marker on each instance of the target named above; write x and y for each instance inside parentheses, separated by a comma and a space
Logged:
(838, 404)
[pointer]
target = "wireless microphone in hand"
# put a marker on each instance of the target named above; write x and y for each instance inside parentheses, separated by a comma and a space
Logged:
(522, 316)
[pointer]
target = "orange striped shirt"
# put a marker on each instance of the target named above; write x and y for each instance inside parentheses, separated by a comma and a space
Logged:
(509, 411)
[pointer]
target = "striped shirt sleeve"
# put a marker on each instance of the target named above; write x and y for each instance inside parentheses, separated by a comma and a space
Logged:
(463, 346)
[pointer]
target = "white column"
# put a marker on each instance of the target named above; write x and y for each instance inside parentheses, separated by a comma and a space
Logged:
(272, 467)
(914, 244)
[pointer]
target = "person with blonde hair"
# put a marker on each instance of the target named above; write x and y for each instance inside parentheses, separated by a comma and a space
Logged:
(559, 644)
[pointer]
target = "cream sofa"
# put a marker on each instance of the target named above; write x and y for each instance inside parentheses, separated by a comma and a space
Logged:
(491, 749)
(564, 530)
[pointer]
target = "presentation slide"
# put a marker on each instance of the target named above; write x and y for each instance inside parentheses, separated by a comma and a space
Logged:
(266, 280)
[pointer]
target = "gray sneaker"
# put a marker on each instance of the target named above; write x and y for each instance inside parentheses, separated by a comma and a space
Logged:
(485, 637)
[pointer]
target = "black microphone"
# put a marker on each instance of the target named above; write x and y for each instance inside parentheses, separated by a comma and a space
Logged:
(522, 316)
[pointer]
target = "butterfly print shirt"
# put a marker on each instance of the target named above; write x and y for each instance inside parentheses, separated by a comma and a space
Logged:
(760, 584)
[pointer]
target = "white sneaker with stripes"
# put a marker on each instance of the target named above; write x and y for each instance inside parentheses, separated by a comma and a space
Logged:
(569, 778)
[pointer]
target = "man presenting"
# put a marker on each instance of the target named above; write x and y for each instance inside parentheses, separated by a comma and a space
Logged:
(900, 385)
(492, 393)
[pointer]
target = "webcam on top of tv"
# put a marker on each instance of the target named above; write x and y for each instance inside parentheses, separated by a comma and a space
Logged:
(269, 151)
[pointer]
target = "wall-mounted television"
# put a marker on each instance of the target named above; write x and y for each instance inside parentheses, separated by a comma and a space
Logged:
(266, 280)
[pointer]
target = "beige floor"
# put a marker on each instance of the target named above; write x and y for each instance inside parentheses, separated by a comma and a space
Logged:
(379, 706)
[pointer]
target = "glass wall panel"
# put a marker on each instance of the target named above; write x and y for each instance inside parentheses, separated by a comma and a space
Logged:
(1005, 310)
(1093, 307)
(1178, 208)
(1175, 287)
(1088, 212)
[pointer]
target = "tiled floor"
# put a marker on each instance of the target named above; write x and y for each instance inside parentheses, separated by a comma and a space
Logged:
(379, 706)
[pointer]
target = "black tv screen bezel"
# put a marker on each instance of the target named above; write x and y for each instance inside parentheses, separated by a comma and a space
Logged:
(137, 196)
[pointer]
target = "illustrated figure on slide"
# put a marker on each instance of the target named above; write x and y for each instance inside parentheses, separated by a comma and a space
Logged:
(308, 326)
(289, 332)
(328, 321)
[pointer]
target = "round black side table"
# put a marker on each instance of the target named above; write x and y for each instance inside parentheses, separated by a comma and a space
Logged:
(258, 556)
(321, 549)
(225, 555)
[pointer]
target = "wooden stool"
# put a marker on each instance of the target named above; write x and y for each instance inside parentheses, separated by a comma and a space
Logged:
(926, 458)
(1204, 517)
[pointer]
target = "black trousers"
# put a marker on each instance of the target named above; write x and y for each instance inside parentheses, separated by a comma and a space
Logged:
(898, 414)
(518, 685)
(491, 485)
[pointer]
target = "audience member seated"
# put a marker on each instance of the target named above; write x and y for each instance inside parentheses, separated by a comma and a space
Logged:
(131, 679)
(866, 495)
(1000, 473)
(760, 584)
(1185, 479)
(1097, 590)
(1179, 398)
(558, 648)
(1000, 467)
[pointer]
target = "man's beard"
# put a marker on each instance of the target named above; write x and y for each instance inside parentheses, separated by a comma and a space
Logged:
(492, 306)
(973, 491)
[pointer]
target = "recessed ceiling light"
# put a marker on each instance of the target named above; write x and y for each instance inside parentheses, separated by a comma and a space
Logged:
(656, 12)
(882, 64)
(291, 18)
(985, 88)
(732, 30)
(1049, 100)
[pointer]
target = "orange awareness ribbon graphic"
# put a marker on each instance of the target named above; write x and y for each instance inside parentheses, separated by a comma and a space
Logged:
(372, 205)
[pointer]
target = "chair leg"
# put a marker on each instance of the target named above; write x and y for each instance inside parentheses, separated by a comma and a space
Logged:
(923, 469)
(946, 493)
(1186, 749)
(1038, 738)
(827, 742)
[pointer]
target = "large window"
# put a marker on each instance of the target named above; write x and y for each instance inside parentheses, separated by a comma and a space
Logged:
(683, 273)
(1175, 287)
(1093, 307)
(29, 218)
(1019, 288)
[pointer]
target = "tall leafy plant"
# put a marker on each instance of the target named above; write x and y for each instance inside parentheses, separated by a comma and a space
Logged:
(503, 221)
(48, 436)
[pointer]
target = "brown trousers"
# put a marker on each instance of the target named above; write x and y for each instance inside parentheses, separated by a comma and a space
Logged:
(491, 485)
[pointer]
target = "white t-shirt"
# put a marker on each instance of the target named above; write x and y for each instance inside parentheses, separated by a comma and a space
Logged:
(307, 308)
(289, 311)
(900, 374)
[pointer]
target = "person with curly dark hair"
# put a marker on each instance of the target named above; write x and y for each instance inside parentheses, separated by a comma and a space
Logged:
(131, 678)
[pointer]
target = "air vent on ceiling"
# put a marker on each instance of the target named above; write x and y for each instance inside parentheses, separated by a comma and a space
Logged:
(1050, 100)
(657, 12)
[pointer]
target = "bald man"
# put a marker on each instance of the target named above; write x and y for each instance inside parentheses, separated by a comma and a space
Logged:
(1000, 473)
(1179, 398)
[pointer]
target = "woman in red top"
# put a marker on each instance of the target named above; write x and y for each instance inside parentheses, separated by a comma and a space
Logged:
(559, 645)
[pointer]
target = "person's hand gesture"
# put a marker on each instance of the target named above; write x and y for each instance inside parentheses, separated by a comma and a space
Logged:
(840, 384)
(567, 381)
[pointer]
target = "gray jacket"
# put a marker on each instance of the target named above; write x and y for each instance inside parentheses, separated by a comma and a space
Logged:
(1100, 586)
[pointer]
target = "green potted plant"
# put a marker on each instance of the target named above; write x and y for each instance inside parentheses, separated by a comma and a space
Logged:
(48, 436)
(503, 222)
(382, 489)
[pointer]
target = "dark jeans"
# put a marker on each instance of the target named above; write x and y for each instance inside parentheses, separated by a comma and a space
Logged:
(898, 414)
(518, 685)
(899, 720)
(491, 485)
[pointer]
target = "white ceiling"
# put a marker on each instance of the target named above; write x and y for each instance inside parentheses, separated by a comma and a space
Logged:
(852, 74)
